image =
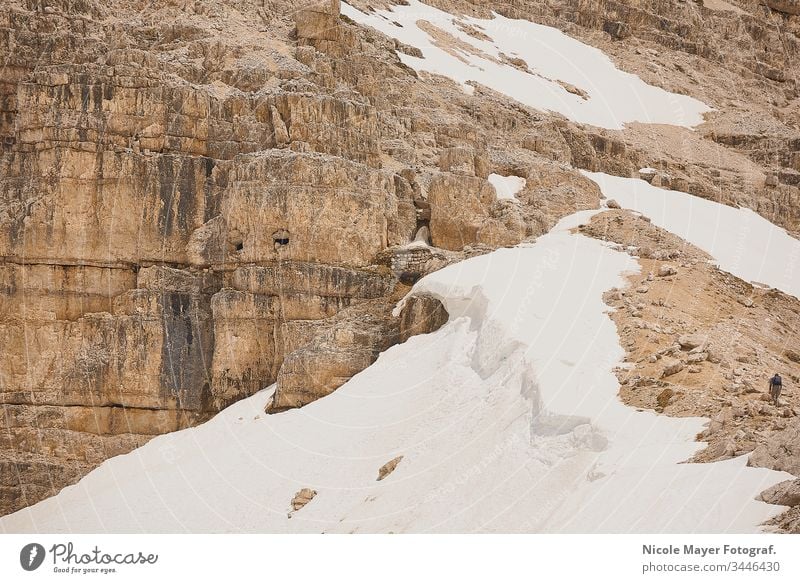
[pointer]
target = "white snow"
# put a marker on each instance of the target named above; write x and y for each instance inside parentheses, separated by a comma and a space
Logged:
(506, 187)
(507, 417)
(741, 241)
(614, 97)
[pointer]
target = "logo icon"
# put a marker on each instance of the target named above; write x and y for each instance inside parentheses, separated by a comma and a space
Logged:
(31, 556)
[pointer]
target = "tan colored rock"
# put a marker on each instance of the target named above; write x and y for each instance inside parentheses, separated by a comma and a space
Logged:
(343, 346)
(281, 133)
(318, 20)
(786, 493)
(388, 467)
(692, 341)
(463, 161)
(666, 270)
(697, 357)
(671, 367)
(465, 211)
(302, 498)
(664, 397)
(421, 314)
(781, 452)
(785, 6)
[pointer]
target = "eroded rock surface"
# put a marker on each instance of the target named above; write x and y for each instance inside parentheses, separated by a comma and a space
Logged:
(199, 199)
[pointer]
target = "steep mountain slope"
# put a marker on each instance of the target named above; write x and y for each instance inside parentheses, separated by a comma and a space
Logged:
(505, 420)
(193, 195)
(207, 197)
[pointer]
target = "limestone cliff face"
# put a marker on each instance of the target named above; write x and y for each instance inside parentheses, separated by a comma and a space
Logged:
(196, 202)
(202, 198)
(786, 6)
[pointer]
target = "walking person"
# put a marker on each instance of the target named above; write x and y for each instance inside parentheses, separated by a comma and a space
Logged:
(775, 387)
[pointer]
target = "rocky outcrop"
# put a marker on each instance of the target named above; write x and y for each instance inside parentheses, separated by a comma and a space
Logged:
(321, 355)
(781, 452)
(785, 6)
(421, 314)
(318, 21)
(784, 494)
(465, 211)
(339, 348)
(200, 199)
(172, 224)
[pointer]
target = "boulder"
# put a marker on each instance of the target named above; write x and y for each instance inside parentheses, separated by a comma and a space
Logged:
(781, 451)
(671, 367)
(722, 448)
(784, 494)
(692, 341)
(465, 211)
(666, 270)
(421, 314)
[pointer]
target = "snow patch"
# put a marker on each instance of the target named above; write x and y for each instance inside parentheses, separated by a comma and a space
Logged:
(506, 187)
(559, 73)
(741, 241)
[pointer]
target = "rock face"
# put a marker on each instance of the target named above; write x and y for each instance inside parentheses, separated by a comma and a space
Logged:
(465, 211)
(200, 199)
(170, 226)
(786, 6)
(782, 452)
(232, 207)
(784, 494)
(319, 21)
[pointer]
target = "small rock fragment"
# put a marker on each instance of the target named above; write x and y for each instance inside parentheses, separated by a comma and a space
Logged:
(672, 367)
(388, 467)
(302, 498)
(664, 397)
